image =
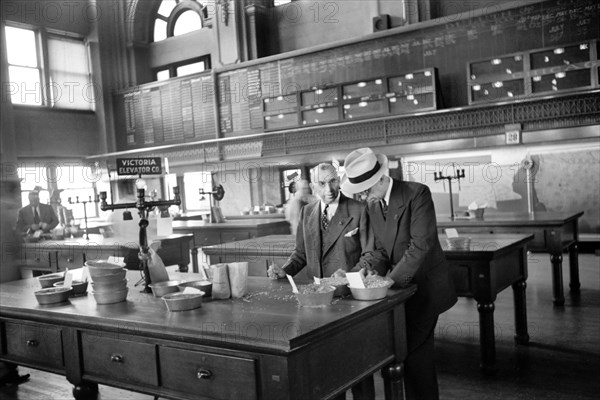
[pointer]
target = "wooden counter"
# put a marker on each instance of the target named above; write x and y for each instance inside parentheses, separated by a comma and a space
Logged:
(263, 346)
(207, 234)
(491, 264)
(56, 255)
(553, 233)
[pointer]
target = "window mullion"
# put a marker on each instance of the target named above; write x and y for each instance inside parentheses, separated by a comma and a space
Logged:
(44, 66)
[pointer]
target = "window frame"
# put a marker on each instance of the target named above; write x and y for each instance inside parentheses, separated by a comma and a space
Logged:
(42, 35)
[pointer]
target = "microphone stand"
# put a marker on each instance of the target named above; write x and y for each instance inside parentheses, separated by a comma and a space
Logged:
(144, 207)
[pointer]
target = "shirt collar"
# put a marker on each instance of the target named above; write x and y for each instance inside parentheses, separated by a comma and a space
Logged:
(388, 193)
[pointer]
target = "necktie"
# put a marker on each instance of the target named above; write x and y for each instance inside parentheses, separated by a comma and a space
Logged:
(324, 219)
(36, 216)
(384, 208)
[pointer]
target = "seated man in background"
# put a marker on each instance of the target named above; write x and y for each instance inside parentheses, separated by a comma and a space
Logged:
(35, 216)
(333, 234)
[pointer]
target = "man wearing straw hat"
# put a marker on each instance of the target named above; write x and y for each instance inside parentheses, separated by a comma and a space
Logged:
(403, 219)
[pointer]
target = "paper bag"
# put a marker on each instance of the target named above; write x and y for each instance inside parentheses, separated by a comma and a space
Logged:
(238, 278)
(156, 268)
(220, 281)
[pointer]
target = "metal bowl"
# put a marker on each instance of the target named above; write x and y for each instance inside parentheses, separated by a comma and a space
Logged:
(371, 293)
(115, 296)
(205, 286)
(53, 295)
(313, 295)
(79, 287)
(47, 281)
(102, 267)
(115, 276)
(161, 288)
(100, 286)
(183, 301)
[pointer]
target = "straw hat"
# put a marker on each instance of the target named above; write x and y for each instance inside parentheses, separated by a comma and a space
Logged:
(363, 169)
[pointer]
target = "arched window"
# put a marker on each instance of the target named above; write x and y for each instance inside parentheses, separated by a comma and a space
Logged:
(177, 17)
(174, 18)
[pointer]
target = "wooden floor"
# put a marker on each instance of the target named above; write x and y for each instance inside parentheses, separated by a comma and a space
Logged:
(561, 362)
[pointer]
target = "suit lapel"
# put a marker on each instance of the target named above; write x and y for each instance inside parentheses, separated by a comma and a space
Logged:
(396, 208)
(337, 224)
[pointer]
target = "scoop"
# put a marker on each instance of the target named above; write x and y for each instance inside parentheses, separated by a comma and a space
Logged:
(294, 287)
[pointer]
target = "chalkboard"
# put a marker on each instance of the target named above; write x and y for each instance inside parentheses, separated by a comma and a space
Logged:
(448, 47)
(183, 109)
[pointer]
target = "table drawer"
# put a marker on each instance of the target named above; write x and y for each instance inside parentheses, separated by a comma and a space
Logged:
(212, 375)
(37, 344)
(234, 236)
(70, 259)
(121, 360)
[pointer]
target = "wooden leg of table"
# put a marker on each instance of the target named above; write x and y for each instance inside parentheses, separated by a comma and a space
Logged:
(487, 340)
(521, 336)
(85, 391)
(557, 280)
(393, 376)
(195, 260)
(574, 267)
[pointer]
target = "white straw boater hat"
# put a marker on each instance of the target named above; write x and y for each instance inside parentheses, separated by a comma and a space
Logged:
(363, 169)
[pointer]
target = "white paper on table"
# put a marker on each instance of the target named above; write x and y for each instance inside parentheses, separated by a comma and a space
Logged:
(85, 274)
(68, 279)
(294, 287)
(451, 233)
(355, 279)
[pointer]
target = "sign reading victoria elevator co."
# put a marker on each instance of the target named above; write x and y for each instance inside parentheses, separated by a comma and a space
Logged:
(139, 166)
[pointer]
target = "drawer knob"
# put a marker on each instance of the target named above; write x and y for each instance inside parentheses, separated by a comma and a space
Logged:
(116, 358)
(203, 374)
(32, 343)
(70, 260)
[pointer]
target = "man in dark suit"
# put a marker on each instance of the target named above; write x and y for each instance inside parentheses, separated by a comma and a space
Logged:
(403, 219)
(333, 234)
(36, 216)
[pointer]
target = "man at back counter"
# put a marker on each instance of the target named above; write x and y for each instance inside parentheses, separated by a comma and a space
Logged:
(35, 216)
(333, 234)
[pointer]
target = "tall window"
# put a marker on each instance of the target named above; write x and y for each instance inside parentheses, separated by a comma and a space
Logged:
(175, 18)
(48, 69)
(193, 182)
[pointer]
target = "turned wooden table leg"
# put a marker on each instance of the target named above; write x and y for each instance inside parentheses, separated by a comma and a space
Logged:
(557, 279)
(85, 391)
(521, 336)
(487, 340)
(393, 381)
(574, 268)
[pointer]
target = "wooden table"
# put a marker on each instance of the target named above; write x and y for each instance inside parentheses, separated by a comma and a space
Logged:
(553, 233)
(56, 255)
(207, 234)
(491, 264)
(263, 346)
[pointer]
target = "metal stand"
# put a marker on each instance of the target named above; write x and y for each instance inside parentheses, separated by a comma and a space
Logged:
(84, 202)
(218, 192)
(460, 173)
(144, 208)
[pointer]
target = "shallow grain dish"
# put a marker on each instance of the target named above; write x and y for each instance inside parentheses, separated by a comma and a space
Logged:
(183, 301)
(47, 281)
(79, 287)
(53, 295)
(161, 288)
(340, 285)
(374, 290)
(314, 295)
(205, 286)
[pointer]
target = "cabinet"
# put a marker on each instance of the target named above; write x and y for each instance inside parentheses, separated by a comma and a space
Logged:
(36, 344)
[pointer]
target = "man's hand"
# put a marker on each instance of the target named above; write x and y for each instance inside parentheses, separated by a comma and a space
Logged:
(35, 227)
(365, 272)
(44, 226)
(340, 273)
(275, 272)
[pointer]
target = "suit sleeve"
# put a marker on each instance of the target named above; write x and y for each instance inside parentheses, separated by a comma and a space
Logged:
(297, 259)
(21, 226)
(423, 238)
(53, 219)
(372, 255)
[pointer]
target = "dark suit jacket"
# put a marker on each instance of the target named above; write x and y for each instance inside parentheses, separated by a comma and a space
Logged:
(25, 217)
(340, 252)
(410, 239)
